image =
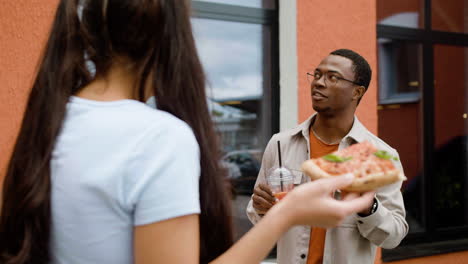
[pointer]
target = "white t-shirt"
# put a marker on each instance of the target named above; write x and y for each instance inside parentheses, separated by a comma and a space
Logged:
(117, 165)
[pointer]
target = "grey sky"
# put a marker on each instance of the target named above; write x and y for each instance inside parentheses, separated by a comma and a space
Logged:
(247, 3)
(231, 54)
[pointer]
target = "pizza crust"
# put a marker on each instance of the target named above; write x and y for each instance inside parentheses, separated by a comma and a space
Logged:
(367, 183)
(314, 171)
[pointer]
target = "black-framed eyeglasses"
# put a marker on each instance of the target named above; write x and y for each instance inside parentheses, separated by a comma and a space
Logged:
(330, 78)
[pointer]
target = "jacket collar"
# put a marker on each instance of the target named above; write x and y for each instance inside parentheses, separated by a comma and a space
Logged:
(357, 133)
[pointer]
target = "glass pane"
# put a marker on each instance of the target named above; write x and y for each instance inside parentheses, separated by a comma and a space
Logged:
(450, 15)
(236, 59)
(451, 135)
(400, 125)
(399, 71)
(401, 13)
(269, 4)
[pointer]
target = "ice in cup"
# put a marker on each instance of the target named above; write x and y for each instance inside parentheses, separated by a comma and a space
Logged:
(280, 181)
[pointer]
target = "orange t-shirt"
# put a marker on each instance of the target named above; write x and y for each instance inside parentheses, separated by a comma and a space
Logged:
(317, 235)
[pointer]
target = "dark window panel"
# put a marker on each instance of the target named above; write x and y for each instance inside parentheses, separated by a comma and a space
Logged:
(451, 136)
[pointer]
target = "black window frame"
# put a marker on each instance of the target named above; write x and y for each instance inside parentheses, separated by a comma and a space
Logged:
(431, 241)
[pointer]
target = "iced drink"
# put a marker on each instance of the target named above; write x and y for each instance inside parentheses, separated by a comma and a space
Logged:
(280, 181)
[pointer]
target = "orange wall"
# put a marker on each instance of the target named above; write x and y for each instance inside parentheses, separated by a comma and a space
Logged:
(24, 26)
(323, 26)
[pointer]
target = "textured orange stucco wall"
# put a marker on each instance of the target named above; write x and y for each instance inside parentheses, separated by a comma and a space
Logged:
(323, 26)
(24, 27)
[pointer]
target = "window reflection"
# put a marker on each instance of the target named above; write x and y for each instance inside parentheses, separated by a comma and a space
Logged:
(401, 13)
(451, 135)
(234, 56)
(450, 15)
(401, 126)
(400, 118)
(270, 4)
(399, 71)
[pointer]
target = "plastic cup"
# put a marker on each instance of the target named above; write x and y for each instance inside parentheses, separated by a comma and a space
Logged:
(299, 177)
(280, 181)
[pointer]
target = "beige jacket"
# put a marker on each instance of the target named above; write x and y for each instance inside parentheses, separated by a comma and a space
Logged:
(357, 238)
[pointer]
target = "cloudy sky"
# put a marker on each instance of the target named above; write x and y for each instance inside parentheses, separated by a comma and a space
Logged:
(248, 3)
(231, 53)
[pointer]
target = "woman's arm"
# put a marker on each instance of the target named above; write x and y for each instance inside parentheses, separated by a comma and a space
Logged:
(309, 204)
(177, 240)
(254, 246)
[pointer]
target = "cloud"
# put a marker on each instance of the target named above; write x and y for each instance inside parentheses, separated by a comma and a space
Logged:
(231, 54)
(241, 86)
(247, 3)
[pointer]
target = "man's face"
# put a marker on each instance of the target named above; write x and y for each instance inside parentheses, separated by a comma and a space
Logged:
(330, 93)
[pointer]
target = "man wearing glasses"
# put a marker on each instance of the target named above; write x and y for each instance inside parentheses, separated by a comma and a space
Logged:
(337, 86)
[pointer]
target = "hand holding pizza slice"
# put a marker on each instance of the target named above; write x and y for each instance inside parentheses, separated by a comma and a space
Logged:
(372, 168)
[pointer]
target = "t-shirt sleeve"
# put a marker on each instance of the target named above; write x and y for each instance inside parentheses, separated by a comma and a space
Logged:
(164, 176)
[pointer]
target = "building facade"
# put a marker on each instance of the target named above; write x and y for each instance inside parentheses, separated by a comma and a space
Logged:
(256, 54)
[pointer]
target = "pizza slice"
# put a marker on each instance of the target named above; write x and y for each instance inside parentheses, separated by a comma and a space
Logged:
(372, 168)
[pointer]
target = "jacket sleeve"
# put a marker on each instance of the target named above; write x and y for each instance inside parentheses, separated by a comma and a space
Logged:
(387, 226)
(267, 163)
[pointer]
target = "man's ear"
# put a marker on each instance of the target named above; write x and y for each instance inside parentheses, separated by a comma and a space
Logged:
(358, 92)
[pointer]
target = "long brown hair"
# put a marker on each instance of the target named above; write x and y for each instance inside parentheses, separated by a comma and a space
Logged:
(156, 37)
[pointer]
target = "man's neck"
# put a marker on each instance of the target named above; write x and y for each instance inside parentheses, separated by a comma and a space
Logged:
(332, 128)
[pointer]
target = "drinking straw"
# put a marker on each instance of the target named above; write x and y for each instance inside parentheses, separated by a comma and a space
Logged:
(280, 164)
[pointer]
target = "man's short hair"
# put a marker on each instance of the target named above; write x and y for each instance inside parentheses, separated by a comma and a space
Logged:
(361, 68)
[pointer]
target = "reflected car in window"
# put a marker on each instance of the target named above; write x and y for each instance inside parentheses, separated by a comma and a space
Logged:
(243, 167)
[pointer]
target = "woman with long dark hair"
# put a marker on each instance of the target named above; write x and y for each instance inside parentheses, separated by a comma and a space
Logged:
(97, 176)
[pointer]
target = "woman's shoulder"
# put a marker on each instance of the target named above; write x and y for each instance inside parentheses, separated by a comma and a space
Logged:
(124, 119)
(158, 121)
(159, 126)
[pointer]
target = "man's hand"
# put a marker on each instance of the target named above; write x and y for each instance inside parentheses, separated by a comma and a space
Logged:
(313, 204)
(349, 196)
(368, 210)
(262, 198)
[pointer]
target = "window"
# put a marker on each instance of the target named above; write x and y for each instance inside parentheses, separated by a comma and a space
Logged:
(423, 97)
(399, 71)
(237, 43)
(451, 137)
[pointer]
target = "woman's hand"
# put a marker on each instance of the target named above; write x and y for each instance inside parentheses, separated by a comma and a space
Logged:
(312, 203)
(309, 204)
